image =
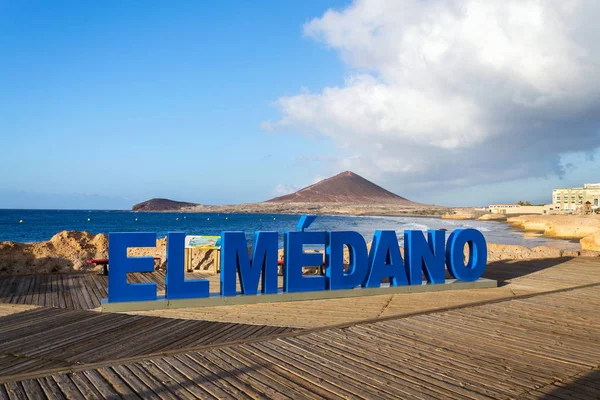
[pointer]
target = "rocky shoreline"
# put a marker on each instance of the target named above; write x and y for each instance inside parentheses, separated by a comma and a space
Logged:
(586, 228)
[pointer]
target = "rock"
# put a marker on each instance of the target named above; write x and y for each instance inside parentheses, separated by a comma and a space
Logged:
(591, 242)
(463, 213)
(561, 226)
(492, 217)
(584, 227)
(515, 252)
(64, 252)
(67, 251)
(589, 253)
(458, 216)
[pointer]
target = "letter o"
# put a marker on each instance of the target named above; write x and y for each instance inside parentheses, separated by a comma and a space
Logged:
(455, 254)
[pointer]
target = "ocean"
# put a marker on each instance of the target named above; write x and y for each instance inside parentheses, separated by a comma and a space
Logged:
(40, 225)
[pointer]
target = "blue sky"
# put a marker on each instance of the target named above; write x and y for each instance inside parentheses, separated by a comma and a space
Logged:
(106, 104)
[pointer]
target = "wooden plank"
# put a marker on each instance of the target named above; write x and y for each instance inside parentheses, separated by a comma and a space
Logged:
(117, 384)
(67, 386)
(67, 292)
(15, 390)
(137, 385)
(86, 295)
(101, 384)
(173, 386)
(227, 382)
(46, 297)
(198, 376)
(32, 291)
(87, 389)
(175, 374)
(19, 288)
(156, 388)
(5, 287)
(95, 293)
(50, 388)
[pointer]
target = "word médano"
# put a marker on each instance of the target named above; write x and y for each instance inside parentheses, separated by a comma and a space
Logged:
(258, 273)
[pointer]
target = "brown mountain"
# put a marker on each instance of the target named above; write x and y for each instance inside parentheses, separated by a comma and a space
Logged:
(346, 187)
(161, 205)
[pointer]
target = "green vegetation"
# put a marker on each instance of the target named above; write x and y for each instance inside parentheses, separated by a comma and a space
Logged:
(523, 203)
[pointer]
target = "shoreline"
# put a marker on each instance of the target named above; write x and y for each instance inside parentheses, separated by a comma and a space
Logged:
(331, 214)
(291, 208)
(582, 229)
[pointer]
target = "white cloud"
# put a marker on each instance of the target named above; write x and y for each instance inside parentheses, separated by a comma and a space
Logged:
(282, 190)
(317, 179)
(457, 92)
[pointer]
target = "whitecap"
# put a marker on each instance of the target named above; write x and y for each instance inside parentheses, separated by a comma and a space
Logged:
(415, 227)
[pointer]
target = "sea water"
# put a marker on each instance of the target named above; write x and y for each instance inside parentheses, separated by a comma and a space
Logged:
(40, 225)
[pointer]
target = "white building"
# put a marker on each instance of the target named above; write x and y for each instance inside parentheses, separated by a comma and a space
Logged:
(570, 199)
(518, 209)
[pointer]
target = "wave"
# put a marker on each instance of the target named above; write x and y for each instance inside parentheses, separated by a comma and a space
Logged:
(415, 227)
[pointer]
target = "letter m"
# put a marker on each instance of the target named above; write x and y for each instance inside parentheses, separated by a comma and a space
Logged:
(234, 257)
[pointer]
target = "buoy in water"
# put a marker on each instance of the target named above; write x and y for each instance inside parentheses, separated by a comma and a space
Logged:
(176, 219)
(136, 219)
(208, 219)
(20, 221)
(89, 219)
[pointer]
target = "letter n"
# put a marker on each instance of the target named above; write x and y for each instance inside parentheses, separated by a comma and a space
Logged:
(426, 256)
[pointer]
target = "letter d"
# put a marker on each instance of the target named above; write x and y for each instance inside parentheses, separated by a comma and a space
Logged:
(334, 258)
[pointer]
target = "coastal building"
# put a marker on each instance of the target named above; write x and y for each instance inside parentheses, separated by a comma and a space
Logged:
(518, 209)
(571, 199)
(502, 208)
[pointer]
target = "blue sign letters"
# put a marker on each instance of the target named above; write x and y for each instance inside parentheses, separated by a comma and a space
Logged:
(429, 257)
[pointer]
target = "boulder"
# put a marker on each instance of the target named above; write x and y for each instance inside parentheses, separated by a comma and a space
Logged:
(591, 242)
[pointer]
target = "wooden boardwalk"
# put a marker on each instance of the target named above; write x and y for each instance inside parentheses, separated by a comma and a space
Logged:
(47, 338)
(516, 278)
(542, 345)
(86, 290)
(80, 291)
(8, 309)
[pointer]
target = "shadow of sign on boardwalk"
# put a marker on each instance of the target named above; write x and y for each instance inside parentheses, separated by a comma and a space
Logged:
(51, 337)
(73, 291)
(584, 386)
(505, 270)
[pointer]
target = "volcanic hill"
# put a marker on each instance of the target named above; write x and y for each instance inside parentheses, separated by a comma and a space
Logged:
(161, 205)
(346, 187)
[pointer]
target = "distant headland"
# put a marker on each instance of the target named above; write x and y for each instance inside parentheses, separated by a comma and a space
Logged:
(161, 205)
(346, 193)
